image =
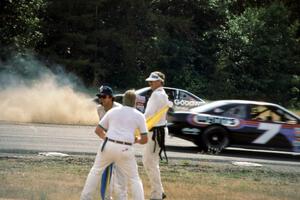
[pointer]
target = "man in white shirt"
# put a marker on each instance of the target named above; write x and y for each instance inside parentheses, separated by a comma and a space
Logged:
(117, 128)
(156, 138)
(119, 182)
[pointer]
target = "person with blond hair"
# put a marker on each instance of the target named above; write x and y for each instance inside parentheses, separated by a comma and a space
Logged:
(117, 129)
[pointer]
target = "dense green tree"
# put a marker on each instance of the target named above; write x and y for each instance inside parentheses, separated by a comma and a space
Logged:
(20, 25)
(127, 41)
(216, 49)
(103, 41)
(260, 58)
(188, 42)
(68, 28)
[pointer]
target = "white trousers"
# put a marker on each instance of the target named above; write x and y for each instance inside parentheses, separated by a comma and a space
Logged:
(151, 164)
(123, 158)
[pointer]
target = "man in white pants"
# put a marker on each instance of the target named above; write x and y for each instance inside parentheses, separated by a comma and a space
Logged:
(117, 128)
(119, 183)
(156, 138)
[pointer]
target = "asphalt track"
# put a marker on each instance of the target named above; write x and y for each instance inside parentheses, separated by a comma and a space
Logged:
(22, 138)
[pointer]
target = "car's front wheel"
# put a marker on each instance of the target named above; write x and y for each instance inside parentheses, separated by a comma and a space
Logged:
(214, 139)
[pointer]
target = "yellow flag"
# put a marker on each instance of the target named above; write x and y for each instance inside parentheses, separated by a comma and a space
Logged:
(152, 120)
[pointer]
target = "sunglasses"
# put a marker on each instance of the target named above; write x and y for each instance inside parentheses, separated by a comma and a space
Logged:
(103, 96)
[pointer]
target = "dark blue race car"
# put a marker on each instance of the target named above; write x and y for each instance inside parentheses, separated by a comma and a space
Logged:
(248, 124)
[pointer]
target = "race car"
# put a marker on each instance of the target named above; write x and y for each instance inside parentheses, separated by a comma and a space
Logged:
(182, 99)
(240, 123)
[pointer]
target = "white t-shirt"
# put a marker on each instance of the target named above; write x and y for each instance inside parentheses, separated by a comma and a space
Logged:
(121, 123)
(156, 102)
(101, 111)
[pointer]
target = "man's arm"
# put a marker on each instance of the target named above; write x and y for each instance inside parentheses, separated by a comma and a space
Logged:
(143, 139)
(100, 132)
(100, 111)
(102, 127)
(151, 107)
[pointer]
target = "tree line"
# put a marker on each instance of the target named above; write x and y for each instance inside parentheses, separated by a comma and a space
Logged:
(217, 49)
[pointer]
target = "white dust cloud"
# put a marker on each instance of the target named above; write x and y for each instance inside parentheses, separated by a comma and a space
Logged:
(45, 100)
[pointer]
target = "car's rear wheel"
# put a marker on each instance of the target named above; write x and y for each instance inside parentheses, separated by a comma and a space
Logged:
(214, 139)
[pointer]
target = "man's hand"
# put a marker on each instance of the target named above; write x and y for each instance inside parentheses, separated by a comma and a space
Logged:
(100, 132)
(143, 139)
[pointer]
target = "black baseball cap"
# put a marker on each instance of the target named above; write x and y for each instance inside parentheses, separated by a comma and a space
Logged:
(105, 90)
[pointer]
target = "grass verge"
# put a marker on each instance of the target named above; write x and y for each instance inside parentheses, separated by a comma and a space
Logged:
(63, 178)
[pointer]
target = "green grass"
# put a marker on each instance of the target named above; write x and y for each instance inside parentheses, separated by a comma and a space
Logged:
(63, 178)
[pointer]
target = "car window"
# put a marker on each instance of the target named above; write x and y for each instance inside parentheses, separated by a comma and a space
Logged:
(185, 96)
(171, 94)
(183, 100)
(285, 117)
(270, 113)
(260, 112)
(238, 111)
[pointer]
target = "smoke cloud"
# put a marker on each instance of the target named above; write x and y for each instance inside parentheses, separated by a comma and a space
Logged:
(30, 92)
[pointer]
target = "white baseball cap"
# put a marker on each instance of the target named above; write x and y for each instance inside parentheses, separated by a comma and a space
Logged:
(155, 76)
